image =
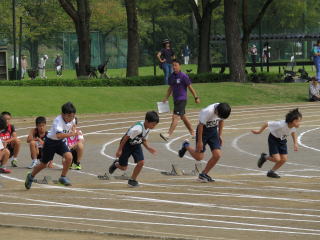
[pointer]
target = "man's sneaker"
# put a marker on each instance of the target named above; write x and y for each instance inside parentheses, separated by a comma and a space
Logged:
(183, 149)
(64, 181)
(273, 174)
(133, 183)
(28, 181)
(4, 170)
(33, 164)
(113, 167)
(77, 166)
(14, 163)
(262, 160)
(165, 136)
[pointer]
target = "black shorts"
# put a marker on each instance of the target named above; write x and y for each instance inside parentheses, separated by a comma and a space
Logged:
(180, 107)
(276, 145)
(127, 151)
(51, 147)
(209, 136)
(74, 155)
(40, 153)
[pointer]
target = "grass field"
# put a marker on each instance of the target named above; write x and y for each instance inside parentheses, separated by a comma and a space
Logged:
(33, 101)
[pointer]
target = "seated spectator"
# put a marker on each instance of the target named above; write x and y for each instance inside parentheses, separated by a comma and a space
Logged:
(314, 90)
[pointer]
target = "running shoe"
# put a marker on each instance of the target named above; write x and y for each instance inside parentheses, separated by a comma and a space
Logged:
(262, 160)
(113, 167)
(33, 164)
(272, 174)
(203, 178)
(133, 183)
(208, 177)
(77, 166)
(165, 136)
(183, 149)
(28, 181)
(64, 181)
(4, 170)
(14, 163)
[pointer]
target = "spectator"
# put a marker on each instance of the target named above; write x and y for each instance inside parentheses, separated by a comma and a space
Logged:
(266, 52)
(314, 90)
(166, 56)
(58, 64)
(186, 55)
(253, 51)
(42, 66)
(76, 64)
(24, 66)
(316, 58)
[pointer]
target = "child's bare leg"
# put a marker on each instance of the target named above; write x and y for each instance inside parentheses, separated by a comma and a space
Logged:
(16, 147)
(80, 148)
(174, 123)
(123, 168)
(187, 124)
(34, 150)
(66, 163)
(137, 169)
(274, 158)
(4, 156)
(195, 154)
(282, 160)
(38, 168)
(216, 154)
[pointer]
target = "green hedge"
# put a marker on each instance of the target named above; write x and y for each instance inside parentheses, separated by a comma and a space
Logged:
(140, 81)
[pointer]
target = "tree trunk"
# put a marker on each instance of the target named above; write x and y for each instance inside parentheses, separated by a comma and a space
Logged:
(233, 41)
(34, 53)
(133, 39)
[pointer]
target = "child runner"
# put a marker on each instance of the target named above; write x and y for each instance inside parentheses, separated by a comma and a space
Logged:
(9, 137)
(130, 144)
(4, 152)
(209, 131)
(76, 145)
(277, 140)
(36, 140)
(179, 82)
(63, 127)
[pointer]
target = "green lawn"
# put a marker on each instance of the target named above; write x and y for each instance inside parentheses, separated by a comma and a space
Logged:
(34, 101)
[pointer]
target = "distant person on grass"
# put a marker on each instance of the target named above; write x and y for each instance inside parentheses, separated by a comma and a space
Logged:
(42, 67)
(209, 131)
(63, 127)
(24, 66)
(179, 82)
(58, 65)
(4, 152)
(277, 140)
(130, 145)
(316, 58)
(166, 56)
(314, 90)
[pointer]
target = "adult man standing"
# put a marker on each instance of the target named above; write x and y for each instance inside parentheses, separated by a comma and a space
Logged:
(58, 64)
(178, 84)
(186, 55)
(24, 66)
(316, 58)
(42, 66)
(165, 57)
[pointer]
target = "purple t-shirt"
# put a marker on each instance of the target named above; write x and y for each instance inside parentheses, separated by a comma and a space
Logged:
(167, 54)
(179, 83)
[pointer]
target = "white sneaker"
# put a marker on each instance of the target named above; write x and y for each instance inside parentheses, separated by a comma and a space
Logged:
(33, 164)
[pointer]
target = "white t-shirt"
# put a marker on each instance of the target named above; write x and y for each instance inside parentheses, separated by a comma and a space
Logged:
(137, 133)
(60, 126)
(1, 145)
(280, 129)
(208, 117)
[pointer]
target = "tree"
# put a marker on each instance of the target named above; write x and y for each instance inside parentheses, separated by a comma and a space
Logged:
(233, 41)
(133, 39)
(81, 18)
(204, 25)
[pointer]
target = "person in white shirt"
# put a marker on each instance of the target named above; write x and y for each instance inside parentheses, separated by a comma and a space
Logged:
(62, 128)
(130, 145)
(277, 140)
(314, 90)
(42, 66)
(209, 131)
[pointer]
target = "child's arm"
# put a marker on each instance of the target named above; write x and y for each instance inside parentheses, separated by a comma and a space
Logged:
(169, 91)
(295, 142)
(199, 140)
(121, 145)
(221, 125)
(30, 136)
(196, 98)
(263, 127)
(66, 135)
(150, 149)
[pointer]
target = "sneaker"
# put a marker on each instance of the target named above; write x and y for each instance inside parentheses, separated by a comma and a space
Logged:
(183, 149)
(64, 181)
(77, 166)
(4, 170)
(133, 183)
(28, 181)
(208, 177)
(14, 163)
(203, 178)
(165, 136)
(273, 174)
(262, 160)
(33, 164)
(113, 167)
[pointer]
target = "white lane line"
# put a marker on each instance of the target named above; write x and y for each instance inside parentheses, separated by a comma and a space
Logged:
(304, 145)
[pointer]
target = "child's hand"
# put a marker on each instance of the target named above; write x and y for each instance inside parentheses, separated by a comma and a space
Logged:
(152, 150)
(255, 131)
(295, 147)
(118, 153)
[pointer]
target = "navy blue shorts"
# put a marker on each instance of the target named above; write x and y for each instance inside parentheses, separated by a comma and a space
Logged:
(179, 107)
(209, 136)
(51, 147)
(276, 145)
(127, 151)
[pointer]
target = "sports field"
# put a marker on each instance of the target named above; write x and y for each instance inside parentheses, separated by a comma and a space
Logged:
(242, 204)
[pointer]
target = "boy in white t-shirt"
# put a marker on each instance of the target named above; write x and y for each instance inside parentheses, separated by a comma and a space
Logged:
(277, 140)
(209, 131)
(130, 145)
(62, 128)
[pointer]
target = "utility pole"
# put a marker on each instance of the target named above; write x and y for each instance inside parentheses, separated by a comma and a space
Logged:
(14, 39)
